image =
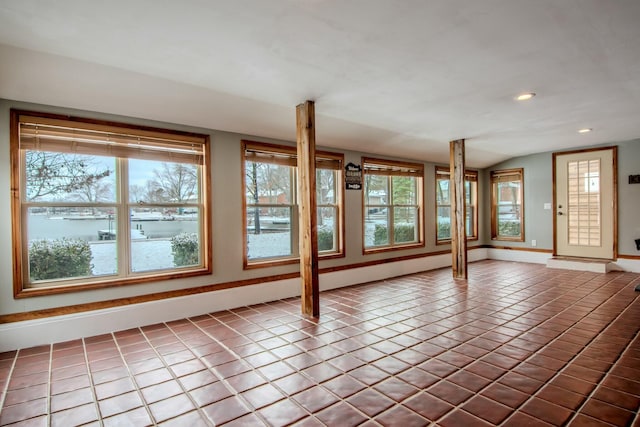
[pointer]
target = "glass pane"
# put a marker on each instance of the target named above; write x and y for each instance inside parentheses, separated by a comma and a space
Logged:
(327, 229)
(508, 209)
(404, 190)
(326, 186)
(468, 186)
(163, 238)
(444, 222)
(442, 192)
(65, 177)
(268, 232)
(266, 183)
(584, 202)
(152, 181)
(376, 188)
(376, 229)
(70, 242)
(469, 220)
(405, 228)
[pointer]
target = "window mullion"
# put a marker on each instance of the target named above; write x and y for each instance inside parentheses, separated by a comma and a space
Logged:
(123, 239)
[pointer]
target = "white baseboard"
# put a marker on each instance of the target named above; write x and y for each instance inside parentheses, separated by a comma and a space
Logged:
(631, 265)
(518, 255)
(63, 328)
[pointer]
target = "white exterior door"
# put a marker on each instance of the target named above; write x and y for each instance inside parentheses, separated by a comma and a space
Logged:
(584, 221)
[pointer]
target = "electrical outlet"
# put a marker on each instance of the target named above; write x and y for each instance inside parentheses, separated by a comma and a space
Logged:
(534, 243)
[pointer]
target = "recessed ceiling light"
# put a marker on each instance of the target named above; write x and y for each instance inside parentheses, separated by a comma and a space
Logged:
(585, 130)
(525, 96)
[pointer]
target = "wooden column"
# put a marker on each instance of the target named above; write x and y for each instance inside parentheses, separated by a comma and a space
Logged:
(458, 223)
(306, 137)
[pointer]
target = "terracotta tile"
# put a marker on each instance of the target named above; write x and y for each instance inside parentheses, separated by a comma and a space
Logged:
(249, 420)
(617, 398)
(225, 410)
(391, 365)
(368, 354)
(71, 399)
(607, 412)
(368, 374)
(546, 411)
(428, 406)
(70, 384)
(450, 392)
(210, 393)
(75, 416)
(315, 399)
(282, 413)
(153, 377)
(113, 388)
(41, 421)
(262, 396)
(187, 368)
(119, 404)
(468, 380)
(561, 397)
(161, 391)
(344, 386)
(395, 389)
(341, 414)
(418, 378)
(294, 383)
(143, 366)
(23, 411)
(322, 372)
(437, 368)
(623, 384)
(505, 395)
(461, 418)
(107, 375)
(401, 416)
(520, 382)
(370, 402)
(500, 360)
(198, 379)
(573, 384)
(106, 363)
(506, 342)
(487, 409)
(191, 419)
(170, 408)
(23, 381)
(581, 420)
(26, 394)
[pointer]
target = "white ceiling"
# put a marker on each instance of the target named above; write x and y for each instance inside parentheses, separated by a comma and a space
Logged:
(391, 77)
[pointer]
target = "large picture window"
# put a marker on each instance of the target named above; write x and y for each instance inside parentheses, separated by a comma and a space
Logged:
(392, 204)
(270, 204)
(443, 204)
(507, 205)
(99, 204)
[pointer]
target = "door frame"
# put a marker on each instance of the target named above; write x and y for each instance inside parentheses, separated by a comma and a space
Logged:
(614, 154)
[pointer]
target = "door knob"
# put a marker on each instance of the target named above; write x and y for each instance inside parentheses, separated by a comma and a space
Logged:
(560, 213)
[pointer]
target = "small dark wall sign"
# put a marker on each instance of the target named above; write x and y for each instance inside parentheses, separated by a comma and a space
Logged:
(353, 176)
(634, 179)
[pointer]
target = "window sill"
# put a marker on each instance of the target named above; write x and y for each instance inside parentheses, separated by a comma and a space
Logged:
(378, 249)
(44, 290)
(274, 262)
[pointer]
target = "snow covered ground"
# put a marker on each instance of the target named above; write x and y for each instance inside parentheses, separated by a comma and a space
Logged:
(267, 245)
(150, 254)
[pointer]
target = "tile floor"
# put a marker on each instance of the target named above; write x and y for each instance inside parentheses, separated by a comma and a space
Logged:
(518, 345)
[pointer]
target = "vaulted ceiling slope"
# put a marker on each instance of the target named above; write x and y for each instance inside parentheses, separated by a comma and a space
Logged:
(391, 77)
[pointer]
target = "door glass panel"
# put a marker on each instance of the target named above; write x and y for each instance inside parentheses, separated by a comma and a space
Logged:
(584, 202)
